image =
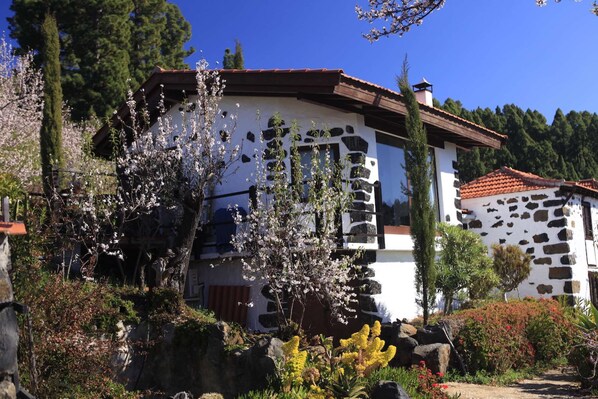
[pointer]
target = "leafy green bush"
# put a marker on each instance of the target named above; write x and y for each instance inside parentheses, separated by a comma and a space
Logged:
(513, 335)
(463, 264)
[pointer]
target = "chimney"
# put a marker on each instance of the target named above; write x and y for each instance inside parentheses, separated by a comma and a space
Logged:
(423, 92)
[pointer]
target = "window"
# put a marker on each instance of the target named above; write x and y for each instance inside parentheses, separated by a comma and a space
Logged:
(394, 180)
(587, 220)
(305, 157)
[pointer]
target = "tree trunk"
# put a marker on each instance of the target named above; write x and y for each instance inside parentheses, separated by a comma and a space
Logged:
(183, 244)
(425, 305)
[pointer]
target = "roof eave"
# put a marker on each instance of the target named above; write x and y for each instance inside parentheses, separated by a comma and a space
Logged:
(316, 85)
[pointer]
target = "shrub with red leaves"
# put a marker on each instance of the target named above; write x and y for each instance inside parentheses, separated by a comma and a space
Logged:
(73, 349)
(513, 335)
(430, 385)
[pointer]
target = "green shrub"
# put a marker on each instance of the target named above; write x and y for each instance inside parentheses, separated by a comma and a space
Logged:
(463, 264)
(513, 335)
(511, 265)
(584, 355)
(418, 381)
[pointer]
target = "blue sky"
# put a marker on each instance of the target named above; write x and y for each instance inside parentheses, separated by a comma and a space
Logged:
(482, 52)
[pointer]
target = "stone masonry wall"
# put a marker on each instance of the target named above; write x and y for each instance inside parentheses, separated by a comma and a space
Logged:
(361, 226)
(547, 228)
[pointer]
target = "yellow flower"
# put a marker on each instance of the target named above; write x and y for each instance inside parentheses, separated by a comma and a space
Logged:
(366, 350)
(376, 329)
(291, 348)
(294, 362)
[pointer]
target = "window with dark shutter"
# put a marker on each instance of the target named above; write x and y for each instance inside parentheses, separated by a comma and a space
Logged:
(587, 220)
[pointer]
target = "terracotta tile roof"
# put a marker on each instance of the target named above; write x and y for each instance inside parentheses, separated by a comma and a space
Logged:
(592, 184)
(506, 180)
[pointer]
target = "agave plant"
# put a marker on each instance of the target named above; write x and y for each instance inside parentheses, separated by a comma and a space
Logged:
(587, 317)
(347, 386)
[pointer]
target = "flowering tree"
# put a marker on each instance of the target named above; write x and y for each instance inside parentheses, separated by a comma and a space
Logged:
(170, 165)
(403, 14)
(290, 233)
(21, 104)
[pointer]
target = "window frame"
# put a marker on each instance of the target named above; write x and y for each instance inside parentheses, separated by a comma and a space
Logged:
(302, 149)
(586, 215)
(400, 142)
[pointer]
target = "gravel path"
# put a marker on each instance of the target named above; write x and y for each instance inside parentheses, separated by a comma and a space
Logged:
(553, 384)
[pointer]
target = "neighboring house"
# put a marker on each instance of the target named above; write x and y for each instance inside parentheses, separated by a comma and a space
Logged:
(552, 220)
(366, 125)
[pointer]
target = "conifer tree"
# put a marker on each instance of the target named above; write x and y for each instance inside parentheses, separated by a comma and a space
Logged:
(423, 223)
(239, 61)
(51, 129)
(228, 62)
(104, 44)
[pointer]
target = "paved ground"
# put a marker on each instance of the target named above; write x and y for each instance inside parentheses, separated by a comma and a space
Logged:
(553, 384)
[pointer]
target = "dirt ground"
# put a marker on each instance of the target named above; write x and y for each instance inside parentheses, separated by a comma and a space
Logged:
(554, 384)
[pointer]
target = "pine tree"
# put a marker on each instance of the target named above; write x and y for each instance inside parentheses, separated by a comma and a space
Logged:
(158, 33)
(104, 43)
(51, 130)
(423, 223)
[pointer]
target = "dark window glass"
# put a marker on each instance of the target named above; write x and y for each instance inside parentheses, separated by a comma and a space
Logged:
(305, 157)
(394, 180)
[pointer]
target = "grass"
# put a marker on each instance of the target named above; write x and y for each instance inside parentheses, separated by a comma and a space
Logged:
(507, 378)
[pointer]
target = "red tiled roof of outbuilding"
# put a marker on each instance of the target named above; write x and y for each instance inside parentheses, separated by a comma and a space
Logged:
(506, 180)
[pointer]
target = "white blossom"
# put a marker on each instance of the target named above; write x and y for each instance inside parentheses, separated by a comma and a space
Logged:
(284, 249)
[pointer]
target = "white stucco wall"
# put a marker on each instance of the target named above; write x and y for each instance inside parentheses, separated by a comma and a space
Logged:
(395, 271)
(394, 268)
(546, 228)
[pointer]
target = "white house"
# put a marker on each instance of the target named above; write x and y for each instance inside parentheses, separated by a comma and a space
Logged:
(366, 124)
(552, 220)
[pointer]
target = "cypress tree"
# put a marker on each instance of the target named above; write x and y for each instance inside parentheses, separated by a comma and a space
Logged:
(51, 129)
(423, 222)
(239, 61)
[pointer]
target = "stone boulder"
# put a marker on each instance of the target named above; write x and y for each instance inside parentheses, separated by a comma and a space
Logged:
(407, 330)
(211, 396)
(388, 390)
(259, 363)
(436, 356)
(7, 388)
(405, 347)
(194, 359)
(392, 333)
(433, 335)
